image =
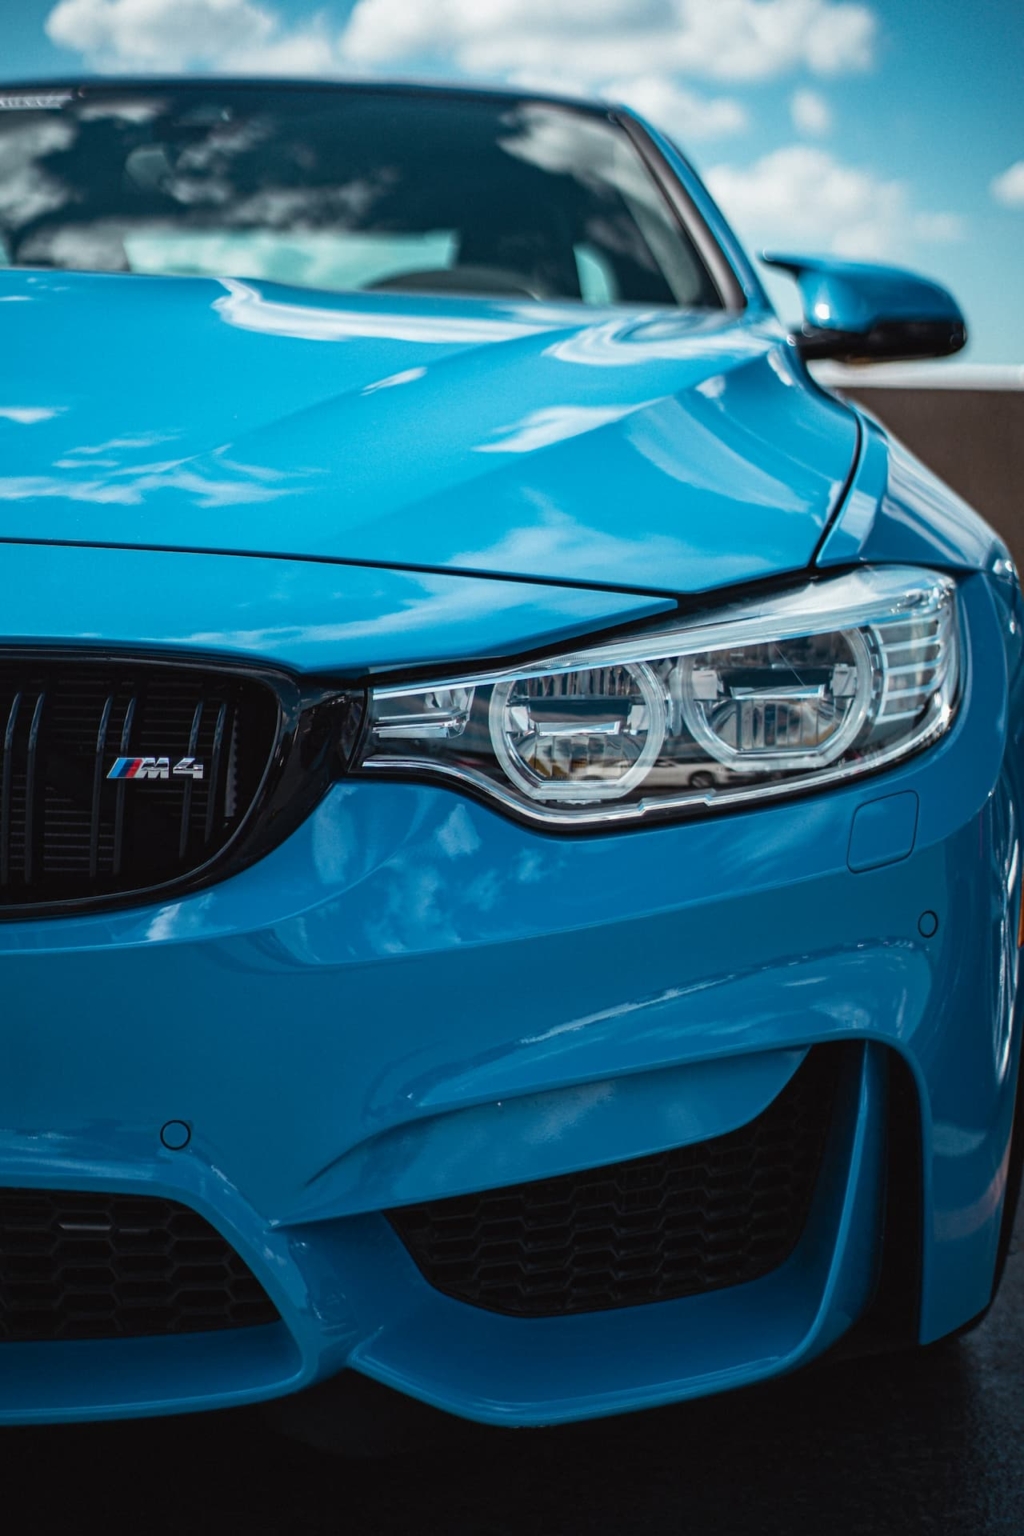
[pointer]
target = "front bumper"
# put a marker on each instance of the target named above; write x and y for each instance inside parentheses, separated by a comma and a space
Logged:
(413, 997)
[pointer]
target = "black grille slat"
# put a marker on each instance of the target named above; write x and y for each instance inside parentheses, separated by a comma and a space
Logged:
(189, 784)
(97, 787)
(79, 1265)
(69, 833)
(6, 789)
(31, 766)
(215, 761)
(125, 751)
(695, 1219)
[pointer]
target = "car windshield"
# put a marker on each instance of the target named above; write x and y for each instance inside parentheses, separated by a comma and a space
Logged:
(341, 188)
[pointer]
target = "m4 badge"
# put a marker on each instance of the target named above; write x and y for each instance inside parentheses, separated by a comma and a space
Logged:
(155, 768)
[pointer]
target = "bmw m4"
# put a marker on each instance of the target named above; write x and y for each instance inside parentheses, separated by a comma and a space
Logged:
(510, 799)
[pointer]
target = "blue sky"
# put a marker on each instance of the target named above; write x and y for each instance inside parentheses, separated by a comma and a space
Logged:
(885, 130)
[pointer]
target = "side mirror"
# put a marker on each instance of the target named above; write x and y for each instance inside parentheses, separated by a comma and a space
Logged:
(857, 313)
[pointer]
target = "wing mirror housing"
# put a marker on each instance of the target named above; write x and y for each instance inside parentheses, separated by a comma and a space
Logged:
(856, 312)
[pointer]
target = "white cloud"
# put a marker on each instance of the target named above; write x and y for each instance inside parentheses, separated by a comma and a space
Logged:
(803, 197)
(938, 228)
(629, 50)
(632, 39)
(1008, 188)
(668, 105)
(28, 415)
(810, 112)
(235, 36)
(726, 40)
(676, 109)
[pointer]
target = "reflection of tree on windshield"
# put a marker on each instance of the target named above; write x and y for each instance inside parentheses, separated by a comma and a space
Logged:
(343, 189)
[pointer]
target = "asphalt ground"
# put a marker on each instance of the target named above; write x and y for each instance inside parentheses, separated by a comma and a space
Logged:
(932, 1441)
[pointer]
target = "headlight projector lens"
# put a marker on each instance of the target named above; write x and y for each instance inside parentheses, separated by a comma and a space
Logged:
(586, 735)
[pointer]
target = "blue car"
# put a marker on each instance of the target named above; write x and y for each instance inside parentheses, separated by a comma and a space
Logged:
(510, 808)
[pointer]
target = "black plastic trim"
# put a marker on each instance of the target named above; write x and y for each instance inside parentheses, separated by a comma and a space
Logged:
(303, 760)
(892, 1320)
(81, 1265)
(1014, 1179)
(888, 341)
(688, 216)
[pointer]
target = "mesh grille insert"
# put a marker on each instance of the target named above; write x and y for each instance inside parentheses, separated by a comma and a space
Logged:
(68, 832)
(101, 1266)
(698, 1218)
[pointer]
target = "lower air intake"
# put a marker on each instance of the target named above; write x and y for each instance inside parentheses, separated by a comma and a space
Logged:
(696, 1219)
(100, 1266)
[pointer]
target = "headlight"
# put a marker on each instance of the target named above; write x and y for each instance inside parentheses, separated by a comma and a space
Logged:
(788, 692)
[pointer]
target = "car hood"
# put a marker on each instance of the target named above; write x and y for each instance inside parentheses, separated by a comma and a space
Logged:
(660, 451)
